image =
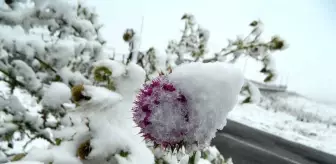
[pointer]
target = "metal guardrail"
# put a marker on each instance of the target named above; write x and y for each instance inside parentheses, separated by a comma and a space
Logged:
(269, 87)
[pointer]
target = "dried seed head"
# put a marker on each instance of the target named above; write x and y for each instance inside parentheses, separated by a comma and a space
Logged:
(76, 92)
(128, 35)
(84, 150)
(101, 73)
(277, 43)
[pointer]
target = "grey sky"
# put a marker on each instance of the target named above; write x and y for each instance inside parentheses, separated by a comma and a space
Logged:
(308, 26)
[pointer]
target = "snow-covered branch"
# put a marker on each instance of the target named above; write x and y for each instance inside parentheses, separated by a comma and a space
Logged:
(192, 47)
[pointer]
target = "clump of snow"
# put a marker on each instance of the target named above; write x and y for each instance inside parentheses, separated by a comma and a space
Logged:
(211, 86)
(253, 95)
(74, 78)
(38, 154)
(3, 157)
(109, 139)
(21, 69)
(57, 94)
(13, 103)
(59, 154)
(101, 99)
(130, 83)
(7, 127)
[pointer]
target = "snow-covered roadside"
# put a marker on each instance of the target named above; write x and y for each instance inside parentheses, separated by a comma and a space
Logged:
(305, 109)
(314, 134)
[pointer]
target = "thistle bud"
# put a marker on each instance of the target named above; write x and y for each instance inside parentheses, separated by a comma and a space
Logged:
(101, 73)
(76, 92)
(277, 43)
(128, 35)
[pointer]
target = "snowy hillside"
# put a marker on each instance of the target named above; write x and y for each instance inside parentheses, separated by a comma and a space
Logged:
(304, 109)
(292, 117)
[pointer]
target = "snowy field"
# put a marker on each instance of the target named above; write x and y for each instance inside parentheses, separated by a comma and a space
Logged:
(299, 120)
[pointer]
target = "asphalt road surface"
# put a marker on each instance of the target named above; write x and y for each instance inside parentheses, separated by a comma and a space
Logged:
(247, 145)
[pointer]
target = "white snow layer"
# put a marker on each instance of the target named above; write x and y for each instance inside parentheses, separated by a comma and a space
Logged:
(254, 93)
(25, 162)
(57, 94)
(212, 90)
(100, 99)
(130, 83)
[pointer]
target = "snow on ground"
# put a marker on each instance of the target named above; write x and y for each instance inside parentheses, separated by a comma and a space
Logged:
(303, 108)
(289, 124)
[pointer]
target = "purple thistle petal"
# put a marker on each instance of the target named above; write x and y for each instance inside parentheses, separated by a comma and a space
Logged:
(168, 87)
(161, 100)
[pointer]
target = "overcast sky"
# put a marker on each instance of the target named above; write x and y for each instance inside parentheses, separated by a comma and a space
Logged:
(308, 65)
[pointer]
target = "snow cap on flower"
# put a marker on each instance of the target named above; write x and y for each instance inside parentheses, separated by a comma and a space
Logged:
(186, 107)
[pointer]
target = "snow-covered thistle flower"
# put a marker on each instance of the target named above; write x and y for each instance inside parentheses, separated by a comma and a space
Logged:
(169, 110)
(185, 108)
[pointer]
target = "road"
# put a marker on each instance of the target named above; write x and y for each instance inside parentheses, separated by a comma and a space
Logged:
(247, 145)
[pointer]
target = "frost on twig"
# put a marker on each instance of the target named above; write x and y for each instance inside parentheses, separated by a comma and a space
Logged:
(254, 47)
(192, 47)
(251, 93)
(193, 43)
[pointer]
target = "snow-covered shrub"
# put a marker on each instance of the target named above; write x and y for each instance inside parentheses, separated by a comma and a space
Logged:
(192, 47)
(53, 53)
